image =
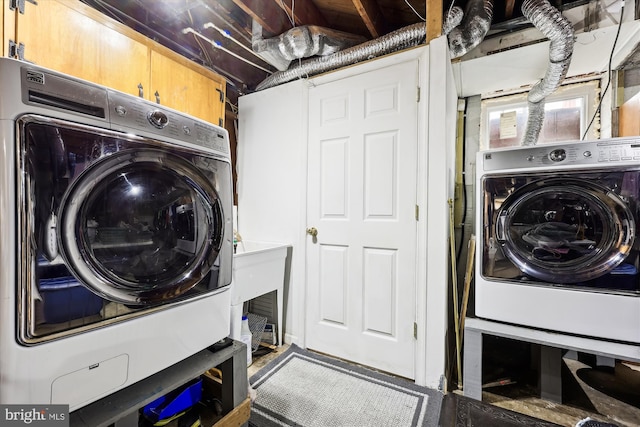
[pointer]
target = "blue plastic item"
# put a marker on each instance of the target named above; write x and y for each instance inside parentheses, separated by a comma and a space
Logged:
(174, 402)
(64, 299)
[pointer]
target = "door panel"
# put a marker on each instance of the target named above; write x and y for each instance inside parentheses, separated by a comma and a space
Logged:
(333, 284)
(361, 198)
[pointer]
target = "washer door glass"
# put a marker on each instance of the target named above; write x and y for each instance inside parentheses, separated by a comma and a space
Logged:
(565, 230)
(142, 226)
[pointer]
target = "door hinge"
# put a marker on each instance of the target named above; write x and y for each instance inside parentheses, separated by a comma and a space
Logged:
(19, 4)
(221, 94)
(417, 213)
(16, 50)
(415, 330)
(418, 94)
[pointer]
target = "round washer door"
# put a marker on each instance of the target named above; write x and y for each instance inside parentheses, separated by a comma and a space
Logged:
(141, 227)
(565, 230)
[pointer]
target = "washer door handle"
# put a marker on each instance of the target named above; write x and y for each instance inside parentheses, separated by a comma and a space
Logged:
(500, 236)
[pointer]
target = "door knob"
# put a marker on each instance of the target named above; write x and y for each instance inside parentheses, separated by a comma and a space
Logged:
(312, 231)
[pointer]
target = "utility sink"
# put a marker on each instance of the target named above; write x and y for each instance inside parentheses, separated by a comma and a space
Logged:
(258, 268)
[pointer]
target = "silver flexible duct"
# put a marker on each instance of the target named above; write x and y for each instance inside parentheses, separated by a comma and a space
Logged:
(300, 42)
(403, 38)
(559, 30)
(474, 27)
(452, 20)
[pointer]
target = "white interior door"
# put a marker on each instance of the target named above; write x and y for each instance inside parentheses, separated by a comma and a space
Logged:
(362, 171)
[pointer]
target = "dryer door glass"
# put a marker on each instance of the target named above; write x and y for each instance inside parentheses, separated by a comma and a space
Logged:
(145, 225)
(558, 230)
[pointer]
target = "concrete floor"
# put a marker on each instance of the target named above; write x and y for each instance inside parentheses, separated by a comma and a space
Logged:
(260, 362)
(611, 395)
(607, 395)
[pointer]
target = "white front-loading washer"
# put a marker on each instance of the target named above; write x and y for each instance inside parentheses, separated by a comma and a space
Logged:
(115, 239)
(558, 245)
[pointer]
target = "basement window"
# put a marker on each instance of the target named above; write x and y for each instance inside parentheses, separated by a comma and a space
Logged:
(568, 112)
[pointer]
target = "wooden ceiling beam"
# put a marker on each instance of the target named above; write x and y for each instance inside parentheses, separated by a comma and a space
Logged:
(372, 16)
(508, 11)
(306, 12)
(268, 14)
(434, 19)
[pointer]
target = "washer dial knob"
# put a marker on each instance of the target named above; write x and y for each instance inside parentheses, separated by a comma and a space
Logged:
(157, 119)
(558, 155)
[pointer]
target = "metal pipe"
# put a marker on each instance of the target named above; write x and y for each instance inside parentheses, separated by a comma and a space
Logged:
(218, 45)
(227, 34)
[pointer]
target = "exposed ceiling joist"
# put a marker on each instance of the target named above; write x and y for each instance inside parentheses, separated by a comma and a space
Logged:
(508, 11)
(304, 13)
(268, 14)
(434, 19)
(370, 12)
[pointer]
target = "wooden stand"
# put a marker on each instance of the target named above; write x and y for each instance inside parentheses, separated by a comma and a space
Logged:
(551, 346)
(120, 409)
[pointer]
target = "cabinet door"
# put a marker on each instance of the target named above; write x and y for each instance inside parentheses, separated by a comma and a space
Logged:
(629, 117)
(8, 17)
(70, 37)
(185, 88)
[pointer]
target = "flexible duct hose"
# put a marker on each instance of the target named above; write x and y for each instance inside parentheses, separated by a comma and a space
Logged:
(474, 27)
(403, 38)
(559, 30)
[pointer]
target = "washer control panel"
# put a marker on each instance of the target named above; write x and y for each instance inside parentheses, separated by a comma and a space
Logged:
(117, 110)
(603, 152)
(135, 114)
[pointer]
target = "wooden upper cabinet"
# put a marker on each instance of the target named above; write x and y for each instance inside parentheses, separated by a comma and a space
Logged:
(8, 26)
(69, 37)
(194, 90)
(75, 39)
(629, 117)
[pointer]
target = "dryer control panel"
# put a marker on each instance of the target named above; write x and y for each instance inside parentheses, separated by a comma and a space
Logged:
(571, 154)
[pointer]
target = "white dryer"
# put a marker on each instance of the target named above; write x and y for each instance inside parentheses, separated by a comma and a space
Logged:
(115, 240)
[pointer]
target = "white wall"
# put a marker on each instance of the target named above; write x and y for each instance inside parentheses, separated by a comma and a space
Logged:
(272, 157)
(437, 190)
(524, 66)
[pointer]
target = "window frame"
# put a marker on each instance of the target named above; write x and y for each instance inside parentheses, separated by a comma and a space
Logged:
(588, 91)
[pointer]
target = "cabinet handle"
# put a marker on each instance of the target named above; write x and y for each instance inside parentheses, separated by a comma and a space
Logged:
(140, 90)
(20, 4)
(157, 95)
(16, 50)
